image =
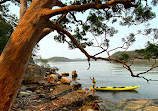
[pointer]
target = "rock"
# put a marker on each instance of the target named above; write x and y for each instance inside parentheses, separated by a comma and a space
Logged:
(76, 86)
(79, 102)
(24, 93)
(42, 96)
(81, 91)
(38, 91)
(74, 74)
(90, 110)
(33, 88)
(52, 97)
(65, 74)
(59, 82)
(23, 88)
(34, 74)
(86, 89)
(53, 78)
(44, 83)
(65, 109)
(141, 104)
(98, 101)
(95, 107)
(59, 76)
(65, 80)
(48, 73)
(88, 103)
(107, 106)
(129, 105)
(51, 89)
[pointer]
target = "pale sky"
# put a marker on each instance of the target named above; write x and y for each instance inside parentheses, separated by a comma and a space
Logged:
(50, 48)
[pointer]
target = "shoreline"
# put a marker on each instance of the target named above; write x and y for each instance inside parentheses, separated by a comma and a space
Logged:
(63, 97)
(35, 97)
(44, 96)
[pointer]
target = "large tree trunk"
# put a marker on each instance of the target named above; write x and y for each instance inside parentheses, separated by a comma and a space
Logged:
(18, 50)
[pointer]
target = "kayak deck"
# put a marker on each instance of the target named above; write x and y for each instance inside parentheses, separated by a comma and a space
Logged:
(118, 88)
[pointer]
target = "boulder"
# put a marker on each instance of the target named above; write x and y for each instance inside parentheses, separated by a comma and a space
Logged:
(65, 80)
(44, 83)
(59, 76)
(76, 85)
(65, 74)
(24, 93)
(86, 89)
(74, 74)
(34, 74)
(54, 77)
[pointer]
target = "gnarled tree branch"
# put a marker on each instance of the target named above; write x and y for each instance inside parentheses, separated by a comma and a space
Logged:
(23, 8)
(124, 64)
(83, 7)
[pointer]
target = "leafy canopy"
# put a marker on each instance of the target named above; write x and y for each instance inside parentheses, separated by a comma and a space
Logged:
(100, 23)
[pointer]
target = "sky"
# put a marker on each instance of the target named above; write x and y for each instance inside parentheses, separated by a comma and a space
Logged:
(50, 48)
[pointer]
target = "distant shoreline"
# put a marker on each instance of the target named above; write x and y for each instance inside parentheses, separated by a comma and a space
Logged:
(144, 62)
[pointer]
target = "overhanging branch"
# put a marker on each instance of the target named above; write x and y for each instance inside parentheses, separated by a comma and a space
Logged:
(84, 7)
(124, 64)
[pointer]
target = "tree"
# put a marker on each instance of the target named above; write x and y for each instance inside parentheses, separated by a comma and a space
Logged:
(150, 52)
(124, 57)
(36, 22)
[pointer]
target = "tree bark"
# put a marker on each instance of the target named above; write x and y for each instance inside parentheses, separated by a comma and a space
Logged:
(18, 50)
(23, 8)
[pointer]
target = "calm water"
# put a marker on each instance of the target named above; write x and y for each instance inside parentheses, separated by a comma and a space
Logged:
(109, 74)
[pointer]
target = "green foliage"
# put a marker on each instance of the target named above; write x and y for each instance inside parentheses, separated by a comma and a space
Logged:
(151, 51)
(6, 26)
(143, 14)
(96, 22)
(5, 31)
(124, 57)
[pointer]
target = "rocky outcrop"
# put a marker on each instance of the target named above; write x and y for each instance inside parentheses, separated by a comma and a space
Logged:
(130, 105)
(34, 73)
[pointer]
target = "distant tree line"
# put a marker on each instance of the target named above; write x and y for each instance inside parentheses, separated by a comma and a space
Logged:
(150, 52)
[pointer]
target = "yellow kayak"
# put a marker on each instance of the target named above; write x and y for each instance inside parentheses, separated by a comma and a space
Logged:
(118, 88)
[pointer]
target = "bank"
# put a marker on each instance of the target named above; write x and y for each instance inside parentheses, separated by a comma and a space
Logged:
(37, 94)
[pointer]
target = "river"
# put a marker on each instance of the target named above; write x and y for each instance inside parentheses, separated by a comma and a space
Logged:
(112, 74)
